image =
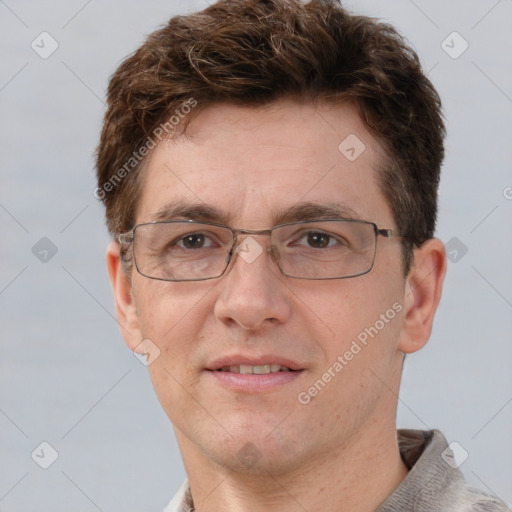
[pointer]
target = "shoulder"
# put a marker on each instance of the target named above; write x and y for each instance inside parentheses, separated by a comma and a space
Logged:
(473, 500)
(434, 481)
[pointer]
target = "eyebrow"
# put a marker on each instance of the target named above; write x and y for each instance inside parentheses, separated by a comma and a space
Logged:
(311, 211)
(192, 211)
(203, 212)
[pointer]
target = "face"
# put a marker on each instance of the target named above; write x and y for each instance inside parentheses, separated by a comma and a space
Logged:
(252, 167)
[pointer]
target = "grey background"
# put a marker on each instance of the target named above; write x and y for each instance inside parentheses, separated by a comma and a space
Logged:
(66, 376)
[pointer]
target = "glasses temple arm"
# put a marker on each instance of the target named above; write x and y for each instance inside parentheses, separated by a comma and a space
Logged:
(389, 233)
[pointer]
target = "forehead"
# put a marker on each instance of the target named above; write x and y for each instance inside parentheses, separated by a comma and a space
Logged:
(250, 166)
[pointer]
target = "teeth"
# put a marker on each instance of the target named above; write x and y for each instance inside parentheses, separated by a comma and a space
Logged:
(260, 369)
(245, 368)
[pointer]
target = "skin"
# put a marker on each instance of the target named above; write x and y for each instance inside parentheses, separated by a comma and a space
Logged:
(338, 452)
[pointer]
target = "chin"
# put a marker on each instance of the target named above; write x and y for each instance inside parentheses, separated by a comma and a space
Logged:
(254, 450)
(249, 459)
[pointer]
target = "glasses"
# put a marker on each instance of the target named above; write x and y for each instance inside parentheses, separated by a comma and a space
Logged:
(178, 250)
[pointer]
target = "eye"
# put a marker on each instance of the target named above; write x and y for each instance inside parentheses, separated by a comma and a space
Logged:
(194, 241)
(319, 240)
(316, 238)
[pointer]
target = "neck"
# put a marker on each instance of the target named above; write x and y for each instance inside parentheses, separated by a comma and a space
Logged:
(356, 478)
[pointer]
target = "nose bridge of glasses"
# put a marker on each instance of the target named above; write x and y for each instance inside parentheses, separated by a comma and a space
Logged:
(264, 232)
(241, 235)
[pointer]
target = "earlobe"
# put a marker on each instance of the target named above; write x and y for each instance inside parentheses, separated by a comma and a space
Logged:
(125, 307)
(422, 295)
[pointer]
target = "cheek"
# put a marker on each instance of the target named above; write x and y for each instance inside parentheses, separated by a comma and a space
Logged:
(170, 312)
(359, 320)
(172, 320)
(360, 355)
(173, 316)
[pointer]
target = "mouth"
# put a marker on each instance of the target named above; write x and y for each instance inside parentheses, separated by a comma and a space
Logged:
(256, 376)
(260, 369)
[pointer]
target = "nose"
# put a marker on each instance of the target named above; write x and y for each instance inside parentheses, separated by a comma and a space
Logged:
(252, 294)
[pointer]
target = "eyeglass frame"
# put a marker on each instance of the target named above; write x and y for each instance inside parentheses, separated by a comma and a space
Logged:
(129, 236)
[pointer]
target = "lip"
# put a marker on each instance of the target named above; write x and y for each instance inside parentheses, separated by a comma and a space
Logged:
(253, 383)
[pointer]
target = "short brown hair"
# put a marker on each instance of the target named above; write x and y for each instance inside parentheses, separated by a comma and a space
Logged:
(253, 52)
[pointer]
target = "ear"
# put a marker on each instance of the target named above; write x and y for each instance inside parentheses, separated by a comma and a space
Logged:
(125, 306)
(424, 285)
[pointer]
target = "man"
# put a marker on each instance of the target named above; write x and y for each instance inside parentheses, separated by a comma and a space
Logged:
(270, 173)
